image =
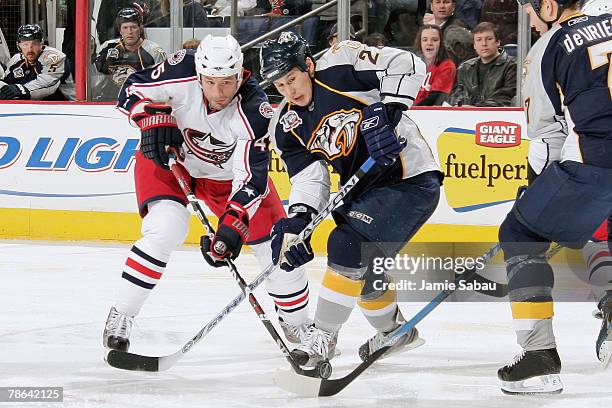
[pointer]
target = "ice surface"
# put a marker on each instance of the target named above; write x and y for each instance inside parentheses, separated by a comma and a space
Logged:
(54, 299)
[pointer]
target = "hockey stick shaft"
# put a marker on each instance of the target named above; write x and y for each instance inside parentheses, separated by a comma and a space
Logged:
(137, 362)
(181, 175)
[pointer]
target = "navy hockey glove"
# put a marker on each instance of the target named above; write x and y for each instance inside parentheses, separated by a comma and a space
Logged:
(233, 231)
(13, 91)
(285, 231)
(379, 134)
(159, 131)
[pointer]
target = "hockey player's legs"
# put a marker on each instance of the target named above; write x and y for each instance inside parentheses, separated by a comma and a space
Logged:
(565, 204)
(411, 202)
(289, 290)
(164, 227)
(598, 260)
(366, 229)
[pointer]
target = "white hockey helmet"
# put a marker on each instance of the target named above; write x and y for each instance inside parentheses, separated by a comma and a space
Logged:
(597, 7)
(219, 57)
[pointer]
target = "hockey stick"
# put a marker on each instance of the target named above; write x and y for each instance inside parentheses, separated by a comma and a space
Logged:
(137, 362)
(317, 387)
(323, 370)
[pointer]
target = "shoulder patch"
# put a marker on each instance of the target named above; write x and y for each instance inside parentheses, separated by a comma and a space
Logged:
(290, 120)
(177, 57)
(266, 110)
(52, 58)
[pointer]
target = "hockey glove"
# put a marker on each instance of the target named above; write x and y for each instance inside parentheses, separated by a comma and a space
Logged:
(285, 231)
(379, 134)
(158, 132)
(233, 231)
(13, 91)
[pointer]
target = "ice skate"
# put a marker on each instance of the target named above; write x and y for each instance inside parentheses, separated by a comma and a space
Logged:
(295, 333)
(408, 341)
(603, 345)
(532, 372)
(117, 331)
(317, 346)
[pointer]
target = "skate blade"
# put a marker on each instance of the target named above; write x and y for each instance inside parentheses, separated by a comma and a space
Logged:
(300, 385)
(605, 353)
(418, 342)
(543, 384)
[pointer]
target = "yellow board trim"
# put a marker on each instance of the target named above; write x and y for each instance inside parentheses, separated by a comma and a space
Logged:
(532, 310)
(380, 303)
(24, 223)
(341, 284)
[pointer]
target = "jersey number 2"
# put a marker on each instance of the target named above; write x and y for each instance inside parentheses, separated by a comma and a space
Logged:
(599, 55)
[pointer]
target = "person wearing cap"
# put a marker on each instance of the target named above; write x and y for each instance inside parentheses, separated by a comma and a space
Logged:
(129, 53)
(37, 71)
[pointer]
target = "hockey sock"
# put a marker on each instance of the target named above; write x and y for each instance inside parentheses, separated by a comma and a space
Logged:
(380, 309)
(289, 290)
(337, 299)
(530, 282)
(141, 273)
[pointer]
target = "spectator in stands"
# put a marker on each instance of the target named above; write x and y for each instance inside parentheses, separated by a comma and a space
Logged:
(191, 44)
(375, 40)
(194, 14)
(490, 78)
(442, 14)
(127, 54)
(459, 43)
(468, 11)
(224, 7)
(332, 38)
(504, 14)
(329, 17)
(289, 7)
(441, 70)
(37, 72)
(384, 8)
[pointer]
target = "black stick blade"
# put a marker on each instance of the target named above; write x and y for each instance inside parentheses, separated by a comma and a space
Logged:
(132, 362)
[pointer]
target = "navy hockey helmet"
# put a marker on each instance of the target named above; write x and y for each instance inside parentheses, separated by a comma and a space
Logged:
(279, 56)
(128, 15)
(537, 4)
(29, 32)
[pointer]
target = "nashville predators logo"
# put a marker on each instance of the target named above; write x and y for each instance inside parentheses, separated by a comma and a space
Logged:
(336, 134)
(207, 148)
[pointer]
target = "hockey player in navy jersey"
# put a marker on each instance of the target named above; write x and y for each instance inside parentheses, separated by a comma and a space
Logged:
(567, 94)
(346, 107)
(213, 110)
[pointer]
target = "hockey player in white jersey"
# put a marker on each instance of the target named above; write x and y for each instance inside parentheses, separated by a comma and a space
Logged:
(213, 110)
(568, 103)
(346, 107)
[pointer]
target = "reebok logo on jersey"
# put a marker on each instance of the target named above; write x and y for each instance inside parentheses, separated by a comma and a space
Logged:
(498, 134)
(369, 123)
(336, 134)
